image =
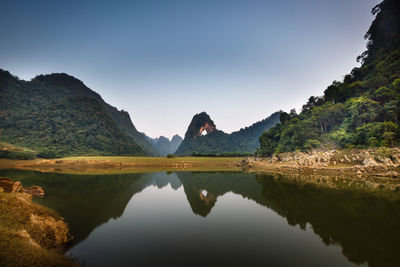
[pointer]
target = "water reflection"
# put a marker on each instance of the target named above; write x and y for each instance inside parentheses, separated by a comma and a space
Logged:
(364, 224)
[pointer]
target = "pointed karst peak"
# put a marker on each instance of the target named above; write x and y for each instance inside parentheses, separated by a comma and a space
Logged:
(199, 123)
(176, 138)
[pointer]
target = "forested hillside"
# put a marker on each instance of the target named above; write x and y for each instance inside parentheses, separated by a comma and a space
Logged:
(57, 115)
(363, 110)
(244, 141)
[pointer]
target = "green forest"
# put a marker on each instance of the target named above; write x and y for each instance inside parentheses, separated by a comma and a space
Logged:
(57, 115)
(362, 110)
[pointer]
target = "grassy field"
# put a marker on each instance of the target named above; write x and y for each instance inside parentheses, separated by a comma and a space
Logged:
(98, 164)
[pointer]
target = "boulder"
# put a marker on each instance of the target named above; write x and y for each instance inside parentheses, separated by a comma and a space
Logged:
(35, 191)
(17, 187)
(370, 161)
(8, 186)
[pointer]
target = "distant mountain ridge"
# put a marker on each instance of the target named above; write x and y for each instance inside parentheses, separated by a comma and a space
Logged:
(57, 115)
(164, 146)
(216, 141)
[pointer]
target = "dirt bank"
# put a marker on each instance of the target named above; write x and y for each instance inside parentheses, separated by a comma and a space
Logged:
(31, 235)
(379, 162)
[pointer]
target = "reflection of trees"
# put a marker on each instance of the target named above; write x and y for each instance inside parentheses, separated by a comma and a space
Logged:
(365, 224)
(87, 201)
(217, 184)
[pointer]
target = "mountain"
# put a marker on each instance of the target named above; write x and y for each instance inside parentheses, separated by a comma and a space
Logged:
(57, 115)
(216, 141)
(164, 146)
(176, 141)
(361, 111)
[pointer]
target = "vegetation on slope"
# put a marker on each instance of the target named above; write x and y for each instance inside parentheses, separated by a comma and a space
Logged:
(57, 115)
(241, 142)
(363, 110)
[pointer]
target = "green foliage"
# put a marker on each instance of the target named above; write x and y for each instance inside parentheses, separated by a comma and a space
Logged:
(377, 134)
(14, 152)
(363, 110)
(170, 156)
(243, 142)
(311, 143)
(57, 115)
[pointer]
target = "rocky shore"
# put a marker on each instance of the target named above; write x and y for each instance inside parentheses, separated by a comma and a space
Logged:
(31, 235)
(379, 162)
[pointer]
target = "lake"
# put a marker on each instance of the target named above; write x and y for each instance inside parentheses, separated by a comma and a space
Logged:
(220, 219)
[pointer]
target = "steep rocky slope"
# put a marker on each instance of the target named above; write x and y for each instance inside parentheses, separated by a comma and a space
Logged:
(216, 141)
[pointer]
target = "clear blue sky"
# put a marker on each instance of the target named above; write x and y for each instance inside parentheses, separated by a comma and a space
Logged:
(163, 61)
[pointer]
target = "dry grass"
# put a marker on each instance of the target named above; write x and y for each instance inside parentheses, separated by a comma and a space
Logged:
(111, 165)
(21, 243)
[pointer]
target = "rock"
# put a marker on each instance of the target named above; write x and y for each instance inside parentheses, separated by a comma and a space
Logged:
(6, 184)
(9, 186)
(385, 160)
(17, 187)
(359, 173)
(274, 159)
(395, 159)
(369, 161)
(35, 191)
(24, 234)
(57, 227)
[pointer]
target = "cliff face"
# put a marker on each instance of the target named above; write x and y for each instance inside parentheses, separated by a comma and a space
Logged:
(176, 141)
(199, 123)
(215, 141)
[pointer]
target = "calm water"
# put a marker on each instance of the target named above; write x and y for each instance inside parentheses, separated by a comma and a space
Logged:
(220, 219)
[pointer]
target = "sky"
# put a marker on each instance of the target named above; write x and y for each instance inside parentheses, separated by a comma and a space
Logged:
(164, 61)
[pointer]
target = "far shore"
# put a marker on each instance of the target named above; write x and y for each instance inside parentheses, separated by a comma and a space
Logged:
(118, 164)
(378, 162)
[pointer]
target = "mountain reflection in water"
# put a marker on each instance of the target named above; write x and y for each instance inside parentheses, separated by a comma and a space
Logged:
(364, 224)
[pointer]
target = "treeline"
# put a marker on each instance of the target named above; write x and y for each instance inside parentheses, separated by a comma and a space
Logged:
(362, 111)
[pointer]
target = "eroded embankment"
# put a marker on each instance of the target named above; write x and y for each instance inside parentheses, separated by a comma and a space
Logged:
(31, 235)
(382, 162)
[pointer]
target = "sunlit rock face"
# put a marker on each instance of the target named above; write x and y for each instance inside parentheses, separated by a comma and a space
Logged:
(199, 123)
(209, 128)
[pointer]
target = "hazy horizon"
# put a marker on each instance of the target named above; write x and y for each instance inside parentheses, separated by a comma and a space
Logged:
(163, 62)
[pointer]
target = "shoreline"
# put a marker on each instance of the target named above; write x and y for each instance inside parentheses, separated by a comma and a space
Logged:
(114, 165)
(31, 235)
(379, 162)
